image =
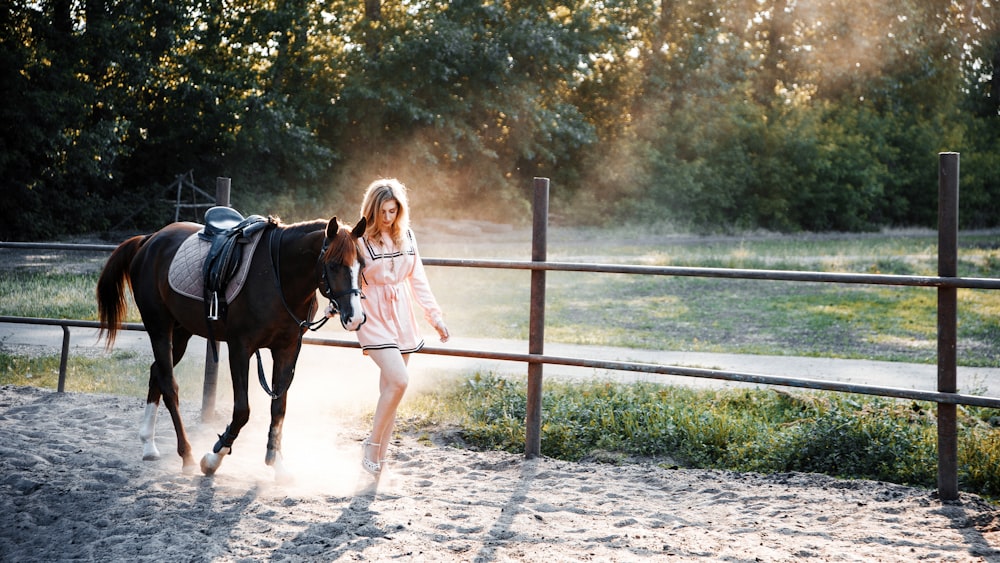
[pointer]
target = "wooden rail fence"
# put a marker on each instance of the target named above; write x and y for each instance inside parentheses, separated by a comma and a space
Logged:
(947, 282)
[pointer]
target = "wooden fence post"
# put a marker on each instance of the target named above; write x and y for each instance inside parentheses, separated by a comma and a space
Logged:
(61, 387)
(222, 186)
(947, 324)
(536, 321)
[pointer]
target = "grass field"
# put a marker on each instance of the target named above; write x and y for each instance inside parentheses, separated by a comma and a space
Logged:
(658, 312)
(721, 315)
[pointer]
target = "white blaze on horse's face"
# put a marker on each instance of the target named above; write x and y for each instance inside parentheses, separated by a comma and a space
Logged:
(357, 313)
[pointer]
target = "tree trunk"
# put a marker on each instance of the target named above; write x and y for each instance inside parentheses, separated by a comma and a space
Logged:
(775, 67)
(373, 10)
(995, 81)
(373, 13)
(62, 21)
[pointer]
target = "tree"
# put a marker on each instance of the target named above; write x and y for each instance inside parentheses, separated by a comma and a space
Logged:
(980, 201)
(467, 99)
(715, 115)
(60, 146)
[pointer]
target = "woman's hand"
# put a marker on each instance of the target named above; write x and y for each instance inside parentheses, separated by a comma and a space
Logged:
(442, 331)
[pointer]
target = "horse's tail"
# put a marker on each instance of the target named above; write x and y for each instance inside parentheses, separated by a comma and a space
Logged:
(111, 306)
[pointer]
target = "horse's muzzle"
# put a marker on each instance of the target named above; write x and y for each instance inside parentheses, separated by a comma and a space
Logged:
(352, 324)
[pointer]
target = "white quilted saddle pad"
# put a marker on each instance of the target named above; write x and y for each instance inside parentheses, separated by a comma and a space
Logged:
(186, 275)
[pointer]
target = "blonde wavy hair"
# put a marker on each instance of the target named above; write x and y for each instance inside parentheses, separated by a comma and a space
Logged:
(376, 195)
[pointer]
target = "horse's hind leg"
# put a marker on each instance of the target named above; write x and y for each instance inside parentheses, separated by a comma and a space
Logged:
(162, 384)
(180, 342)
(147, 428)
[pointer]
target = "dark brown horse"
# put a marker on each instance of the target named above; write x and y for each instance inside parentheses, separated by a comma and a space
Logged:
(271, 311)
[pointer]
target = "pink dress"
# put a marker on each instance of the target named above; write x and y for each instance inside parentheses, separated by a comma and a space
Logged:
(392, 278)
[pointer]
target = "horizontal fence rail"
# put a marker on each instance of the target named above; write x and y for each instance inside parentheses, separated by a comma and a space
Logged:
(67, 323)
(680, 271)
(728, 273)
(660, 369)
(59, 246)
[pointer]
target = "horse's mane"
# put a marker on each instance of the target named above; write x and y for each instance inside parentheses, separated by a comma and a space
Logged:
(300, 227)
(340, 249)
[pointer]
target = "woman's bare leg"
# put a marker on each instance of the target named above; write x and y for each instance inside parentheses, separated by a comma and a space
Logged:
(393, 380)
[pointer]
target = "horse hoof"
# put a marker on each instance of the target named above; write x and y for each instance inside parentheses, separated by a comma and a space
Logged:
(282, 475)
(212, 460)
(149, 452)
(210, 463)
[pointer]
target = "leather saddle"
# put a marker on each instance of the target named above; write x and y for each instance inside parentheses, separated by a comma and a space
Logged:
(227, 231)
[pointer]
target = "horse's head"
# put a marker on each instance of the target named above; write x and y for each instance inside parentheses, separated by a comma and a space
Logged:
(340, 265)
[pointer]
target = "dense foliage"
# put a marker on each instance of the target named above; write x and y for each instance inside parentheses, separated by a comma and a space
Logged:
(710, 115)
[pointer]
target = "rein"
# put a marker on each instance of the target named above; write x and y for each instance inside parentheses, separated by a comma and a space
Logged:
(274, 253)
(275, 257)
(276, 269)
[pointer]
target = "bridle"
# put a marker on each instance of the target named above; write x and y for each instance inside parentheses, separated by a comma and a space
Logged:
(325, 288)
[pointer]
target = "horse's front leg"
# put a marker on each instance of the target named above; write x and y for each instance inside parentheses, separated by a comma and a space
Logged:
(281, 377)
(273, 456)
(238, 367)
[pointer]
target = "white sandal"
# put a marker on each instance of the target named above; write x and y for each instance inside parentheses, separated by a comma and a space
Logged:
(370, 466)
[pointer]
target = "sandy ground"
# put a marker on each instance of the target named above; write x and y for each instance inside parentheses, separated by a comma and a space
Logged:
(73, 486)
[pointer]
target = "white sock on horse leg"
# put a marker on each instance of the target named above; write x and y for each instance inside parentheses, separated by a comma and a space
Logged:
(147, 433)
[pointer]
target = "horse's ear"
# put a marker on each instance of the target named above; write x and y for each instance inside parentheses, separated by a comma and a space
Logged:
(332, 228)
(359, 229)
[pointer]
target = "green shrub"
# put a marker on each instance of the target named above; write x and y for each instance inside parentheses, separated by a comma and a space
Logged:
(760, 430)
(979, 457)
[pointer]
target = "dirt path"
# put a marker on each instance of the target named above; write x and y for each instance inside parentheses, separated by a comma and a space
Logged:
(73, 486)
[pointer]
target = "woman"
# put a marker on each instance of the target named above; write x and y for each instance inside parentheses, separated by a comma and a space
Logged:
(390, 335)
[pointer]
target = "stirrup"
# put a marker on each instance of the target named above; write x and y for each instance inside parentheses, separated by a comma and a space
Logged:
(370, 466)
